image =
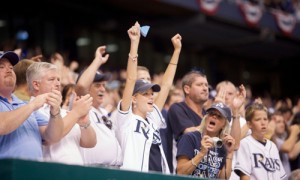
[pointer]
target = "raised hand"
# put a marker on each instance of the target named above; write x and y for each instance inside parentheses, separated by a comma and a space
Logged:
(258, 100)
(134, 32)
(240, 98)
(176, 40)
(37, 58)
(99, 54)
(220, 97)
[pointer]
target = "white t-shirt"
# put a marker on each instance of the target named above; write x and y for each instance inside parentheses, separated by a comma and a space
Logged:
(67, 149)
(107, 150)
(135, 135)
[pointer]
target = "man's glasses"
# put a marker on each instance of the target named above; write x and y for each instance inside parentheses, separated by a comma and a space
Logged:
(107, 122)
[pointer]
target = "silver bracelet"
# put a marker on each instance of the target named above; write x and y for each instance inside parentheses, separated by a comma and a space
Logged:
(134, 58)
(54, 116)
(193, 163)
(86, 125)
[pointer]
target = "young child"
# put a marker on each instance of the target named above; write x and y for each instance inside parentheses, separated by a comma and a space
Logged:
(258, 157)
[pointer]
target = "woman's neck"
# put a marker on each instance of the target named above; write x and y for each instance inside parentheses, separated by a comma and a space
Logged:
(139, 113)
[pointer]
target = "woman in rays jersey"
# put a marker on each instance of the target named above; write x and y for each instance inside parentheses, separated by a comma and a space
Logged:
(139, 115)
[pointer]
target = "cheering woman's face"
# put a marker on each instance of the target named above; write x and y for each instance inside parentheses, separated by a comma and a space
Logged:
(143, 102)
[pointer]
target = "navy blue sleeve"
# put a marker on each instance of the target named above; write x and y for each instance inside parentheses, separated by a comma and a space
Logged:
(188, 144)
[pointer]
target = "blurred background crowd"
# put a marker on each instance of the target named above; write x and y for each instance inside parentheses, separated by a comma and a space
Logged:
(221, 44)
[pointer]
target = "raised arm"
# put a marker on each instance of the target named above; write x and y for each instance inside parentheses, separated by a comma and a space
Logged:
(134, 35)
(295, 151)
(167, 80)
(86, 79)
(290, 142)
(238, 102)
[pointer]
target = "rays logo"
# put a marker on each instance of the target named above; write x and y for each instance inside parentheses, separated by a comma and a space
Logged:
(269, 164)
(145, 81)
(142, 128)
(221, 105)
(156, 137)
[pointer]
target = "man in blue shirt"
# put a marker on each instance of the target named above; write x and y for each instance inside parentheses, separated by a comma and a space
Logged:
(22, 130)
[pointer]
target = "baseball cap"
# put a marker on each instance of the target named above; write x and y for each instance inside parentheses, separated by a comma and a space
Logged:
(143, 85)
(11, 56)
(223, 109)
(114, 84)
(99, 76)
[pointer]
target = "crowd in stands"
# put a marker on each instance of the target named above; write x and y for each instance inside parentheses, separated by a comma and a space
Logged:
(133, 121)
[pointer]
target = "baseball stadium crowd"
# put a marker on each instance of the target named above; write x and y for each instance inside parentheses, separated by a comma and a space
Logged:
(133, 121)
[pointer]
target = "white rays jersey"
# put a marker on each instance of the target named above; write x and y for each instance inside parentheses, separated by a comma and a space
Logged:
(259, 161)
(136, 135)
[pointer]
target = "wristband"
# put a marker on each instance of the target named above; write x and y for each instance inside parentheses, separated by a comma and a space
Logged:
(236, 117)
(86, 125)
(54, 116)
(193, 163)
(134, 58)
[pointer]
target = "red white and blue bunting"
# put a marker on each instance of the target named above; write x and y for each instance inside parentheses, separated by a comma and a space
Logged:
(251, 12)
(285, 21)
(209, 7)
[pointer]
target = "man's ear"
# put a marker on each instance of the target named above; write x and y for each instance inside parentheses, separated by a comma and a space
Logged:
(249, 124)
(186, 89)
(35, 85)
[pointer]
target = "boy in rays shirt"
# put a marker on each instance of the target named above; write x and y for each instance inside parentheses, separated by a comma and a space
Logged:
(258, 157)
